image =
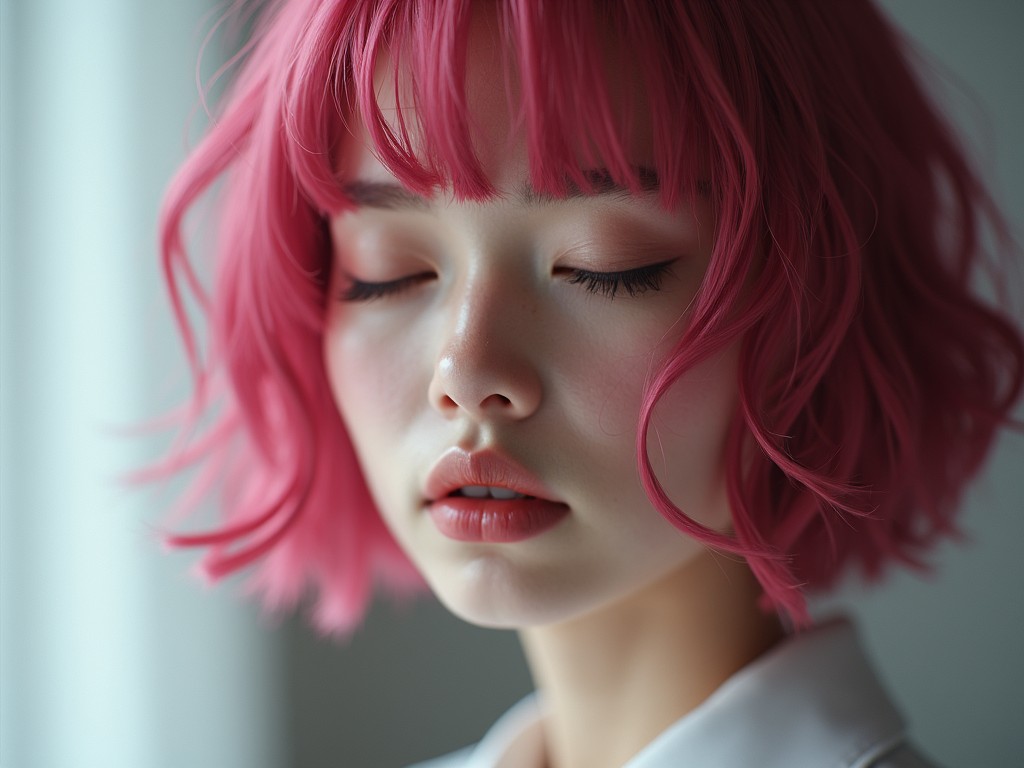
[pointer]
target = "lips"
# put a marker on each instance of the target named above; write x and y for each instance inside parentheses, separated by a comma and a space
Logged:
(487, 497)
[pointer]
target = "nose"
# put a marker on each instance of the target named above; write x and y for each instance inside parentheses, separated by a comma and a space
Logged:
(487, 365)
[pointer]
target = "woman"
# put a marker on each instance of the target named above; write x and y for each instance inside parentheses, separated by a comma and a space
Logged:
(624, 325)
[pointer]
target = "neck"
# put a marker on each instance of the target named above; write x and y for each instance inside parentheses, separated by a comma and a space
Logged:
(615, 678)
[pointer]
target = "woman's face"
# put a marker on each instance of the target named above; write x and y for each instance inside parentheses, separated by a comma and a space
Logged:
(506, 343)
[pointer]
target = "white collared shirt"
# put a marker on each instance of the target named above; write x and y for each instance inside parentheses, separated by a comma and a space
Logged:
(811, 702)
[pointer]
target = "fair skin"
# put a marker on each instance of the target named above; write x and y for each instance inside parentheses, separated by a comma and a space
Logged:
(492, 326)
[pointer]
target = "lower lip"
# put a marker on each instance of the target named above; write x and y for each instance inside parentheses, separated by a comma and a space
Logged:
(493, 520)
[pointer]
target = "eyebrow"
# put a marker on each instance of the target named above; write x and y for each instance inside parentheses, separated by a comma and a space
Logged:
(391, 196)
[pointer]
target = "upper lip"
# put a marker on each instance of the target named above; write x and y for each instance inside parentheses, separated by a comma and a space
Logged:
(458, 468)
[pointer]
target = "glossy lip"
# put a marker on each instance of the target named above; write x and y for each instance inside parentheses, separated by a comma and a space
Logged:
(488, 520)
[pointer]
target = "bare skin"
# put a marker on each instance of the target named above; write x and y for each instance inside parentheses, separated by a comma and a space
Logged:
(615, 678)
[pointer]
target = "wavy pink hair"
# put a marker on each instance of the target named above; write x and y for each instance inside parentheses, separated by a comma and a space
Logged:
(849, 225)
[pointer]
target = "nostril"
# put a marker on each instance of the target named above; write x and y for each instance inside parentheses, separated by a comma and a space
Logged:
(500, 401)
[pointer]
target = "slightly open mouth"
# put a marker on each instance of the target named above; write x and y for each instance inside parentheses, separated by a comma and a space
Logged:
(487, 492)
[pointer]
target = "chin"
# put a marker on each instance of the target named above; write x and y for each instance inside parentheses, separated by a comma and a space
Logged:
(490, 591)
(497, 592)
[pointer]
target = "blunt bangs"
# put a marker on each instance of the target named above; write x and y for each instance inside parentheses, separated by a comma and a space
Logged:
(565, 84)
(871, 381)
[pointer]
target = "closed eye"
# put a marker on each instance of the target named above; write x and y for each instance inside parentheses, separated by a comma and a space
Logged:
(632, 281)
(360, 290)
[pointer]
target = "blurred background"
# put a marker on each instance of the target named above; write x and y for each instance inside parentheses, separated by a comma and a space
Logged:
(112, 655)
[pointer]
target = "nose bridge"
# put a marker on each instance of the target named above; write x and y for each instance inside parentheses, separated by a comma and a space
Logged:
(487, 360)
(484, 317)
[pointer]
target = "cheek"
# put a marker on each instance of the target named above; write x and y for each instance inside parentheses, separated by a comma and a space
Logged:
(355, 378)
(688, 431)
(376, 394)
(687, 439)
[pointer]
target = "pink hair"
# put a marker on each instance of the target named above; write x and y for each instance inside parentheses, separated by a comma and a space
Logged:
(848, 228)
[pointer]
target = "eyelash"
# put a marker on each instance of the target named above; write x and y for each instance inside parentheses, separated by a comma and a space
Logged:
(632, 281)
(362, 291)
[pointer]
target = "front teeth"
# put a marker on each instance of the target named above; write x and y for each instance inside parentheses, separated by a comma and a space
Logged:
(483, 491)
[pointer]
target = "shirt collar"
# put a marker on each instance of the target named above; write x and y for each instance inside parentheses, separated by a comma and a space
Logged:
(812, 700)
